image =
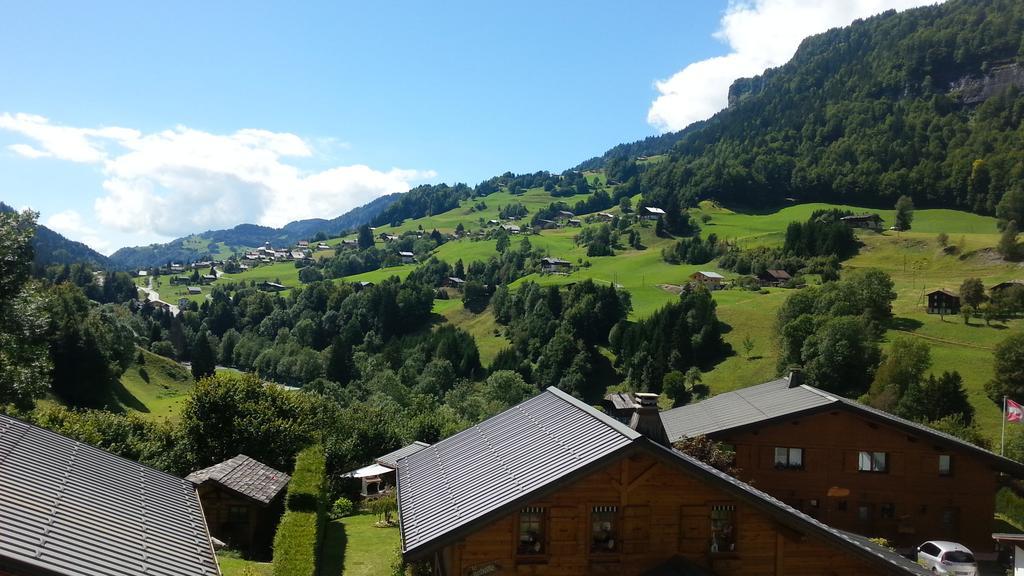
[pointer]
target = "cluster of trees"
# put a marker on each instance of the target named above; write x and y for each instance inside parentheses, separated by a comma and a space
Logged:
(1002, 305)
(421, 201)
(864, 114)
(833, 330)
(514, 210)
(600, 240)
(823, 234)
(694, 250)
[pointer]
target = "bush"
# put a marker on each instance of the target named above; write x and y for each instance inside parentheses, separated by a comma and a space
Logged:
(163, 348)
(342, 507)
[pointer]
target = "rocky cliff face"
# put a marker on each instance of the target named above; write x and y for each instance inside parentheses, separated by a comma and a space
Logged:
(974, 90)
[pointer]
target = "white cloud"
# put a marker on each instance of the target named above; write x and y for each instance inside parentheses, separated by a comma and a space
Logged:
(182, 180)
(70, 224)
(760, 34)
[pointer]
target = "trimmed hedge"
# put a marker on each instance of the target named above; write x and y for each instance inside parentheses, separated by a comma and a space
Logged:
(297, 542)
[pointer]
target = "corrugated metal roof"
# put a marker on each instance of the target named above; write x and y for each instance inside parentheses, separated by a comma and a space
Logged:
(741, 407)
(500, 460)
(71, 509)
(550, 437)
(246, 476)
(391, 458)
(775, 399)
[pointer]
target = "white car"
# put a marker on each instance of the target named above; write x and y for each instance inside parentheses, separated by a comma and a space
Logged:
(947, 558)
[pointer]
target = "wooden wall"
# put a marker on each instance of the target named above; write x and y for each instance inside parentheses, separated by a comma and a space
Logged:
(663, 512)
(920, 495)
(254, 538)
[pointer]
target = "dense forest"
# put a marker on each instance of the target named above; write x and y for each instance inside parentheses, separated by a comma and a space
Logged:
(925, 102)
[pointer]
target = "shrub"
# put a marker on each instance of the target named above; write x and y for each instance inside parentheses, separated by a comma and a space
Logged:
(342, 507)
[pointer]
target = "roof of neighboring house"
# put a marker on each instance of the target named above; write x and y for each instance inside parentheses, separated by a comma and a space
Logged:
(406, 254)
(778, 274)
(248, 477)
(555, 261)
(944, 291)
(465, 481)
(195, 290)
(776, 400)
(391, 458)
(68, 508)
(710, 274)
(1008, 284)
(862, 217)
(456, 280)
(621, 400)
(653, 210)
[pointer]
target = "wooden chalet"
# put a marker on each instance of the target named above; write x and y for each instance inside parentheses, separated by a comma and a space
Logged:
(379, 477)
(554, 265)
(407, 257)
(194, 290)
(554, 487)
(852, 466)
(453, 282)
(272, 287)
(1006, 286)
(243, 500)
(710, 280)
(869, 221)
(651, 213)
(67, 508)
(773, 277)
(943, 302)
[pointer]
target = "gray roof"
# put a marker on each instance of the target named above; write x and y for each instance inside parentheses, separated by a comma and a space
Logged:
(478, 474)
(250, 478)
(68, 508)
(774, 400)
(391, 458)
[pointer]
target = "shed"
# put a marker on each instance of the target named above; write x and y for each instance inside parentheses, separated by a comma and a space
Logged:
(943, 302)
(243, 500)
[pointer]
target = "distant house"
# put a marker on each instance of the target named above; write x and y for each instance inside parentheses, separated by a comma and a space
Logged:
(493, 222)
(710, 280)
(407, 257)
(67, 508)
(350, 244)
(510, 228)
(303, 244)
(574, 222)
(651, 213)
(243, 500)
(379, 477)
(179, 280)
(606, 216)
(554, 265)
(870, 221)
(298, 255)
(943, 302)
(272, 287)
(619, 405)
(773, 277)
(207, 278)
(358, 286)
(453, 282)
(1006, 286)
(177, 267)
(553, 486)
(563, 215)
(322, 246)
(546, 224)
(388, 237)
(143, 273)
(195, 290)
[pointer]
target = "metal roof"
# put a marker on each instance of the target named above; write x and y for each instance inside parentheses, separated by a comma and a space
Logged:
(710, 274)
(493, 464)
(68, 508)
(248, 477)
(391, 458)
(480, 473)
(776, 399)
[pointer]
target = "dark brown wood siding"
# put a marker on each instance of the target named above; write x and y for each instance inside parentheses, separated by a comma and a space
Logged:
(240, 522)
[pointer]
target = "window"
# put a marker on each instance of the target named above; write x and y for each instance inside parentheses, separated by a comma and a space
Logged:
(888, 511)
(723, 528)
(531, 531)
(864, 513)
(789, 458)
(602, 528)
(945, 465)
(238, 514)
(930, 549)
(872, 462)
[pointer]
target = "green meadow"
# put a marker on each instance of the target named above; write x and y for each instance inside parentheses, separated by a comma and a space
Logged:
(157, 388)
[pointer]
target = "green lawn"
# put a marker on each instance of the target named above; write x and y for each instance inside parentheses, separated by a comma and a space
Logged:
(161, 393)
(231, 565)
(353, 546)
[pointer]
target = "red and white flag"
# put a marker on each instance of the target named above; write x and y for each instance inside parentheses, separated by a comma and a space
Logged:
(1014, 411)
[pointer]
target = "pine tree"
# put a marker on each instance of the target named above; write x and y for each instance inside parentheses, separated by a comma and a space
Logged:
(204, 359)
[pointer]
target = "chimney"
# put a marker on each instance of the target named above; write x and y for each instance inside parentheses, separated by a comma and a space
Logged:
(646, 419)
(796, 376)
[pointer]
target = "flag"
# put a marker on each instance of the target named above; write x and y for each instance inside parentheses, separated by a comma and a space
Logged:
(1014, 411)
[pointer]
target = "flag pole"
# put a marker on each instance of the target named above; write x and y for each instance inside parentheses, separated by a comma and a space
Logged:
(1002, 434)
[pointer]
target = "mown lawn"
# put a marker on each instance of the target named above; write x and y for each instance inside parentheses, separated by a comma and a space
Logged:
(231, 565)
(353, 546)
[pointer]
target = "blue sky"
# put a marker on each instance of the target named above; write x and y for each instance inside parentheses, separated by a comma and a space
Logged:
(127, 123)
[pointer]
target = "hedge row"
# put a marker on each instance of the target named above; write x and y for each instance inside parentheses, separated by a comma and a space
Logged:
(297, 542)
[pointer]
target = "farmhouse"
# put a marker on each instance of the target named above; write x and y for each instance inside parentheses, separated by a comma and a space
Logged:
(349, 243)
(323, 246)
(69, 508)
(546, 224)
(554, 265)
(388, 237)
(453, 282)
(272, 287)
(852, 466)
(510, 228)
(207, 278)
(651, 213)
(943, 302)
(1006, 286)
(195, 290)
(710, 280)
(407, 257)
(564, 215)
(773, 277)
(606, 216)
(870, 221)
(143, 273)
(243, 500)
(303, 244)
(379, 477)
(554, 487)
(574, 222)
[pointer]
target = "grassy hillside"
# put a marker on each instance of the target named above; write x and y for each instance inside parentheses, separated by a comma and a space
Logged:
(156, 388)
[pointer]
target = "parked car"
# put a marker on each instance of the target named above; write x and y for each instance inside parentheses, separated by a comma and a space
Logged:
(947, 558)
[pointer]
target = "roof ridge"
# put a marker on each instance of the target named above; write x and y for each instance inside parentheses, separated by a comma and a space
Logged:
(594, 413)
(822, 393)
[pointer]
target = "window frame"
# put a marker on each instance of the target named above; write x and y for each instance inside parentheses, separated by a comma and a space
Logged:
(734, 515)
(616, 526)
(872, 462)
(543, 530)
(948, 471)
(788, 465)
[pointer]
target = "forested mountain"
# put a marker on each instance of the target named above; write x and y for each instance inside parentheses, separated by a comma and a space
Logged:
(208, 243)
(925, 102)
(650, 146)
(53, 248)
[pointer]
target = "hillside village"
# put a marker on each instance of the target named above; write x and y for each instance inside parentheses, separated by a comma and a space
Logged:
(786, 340)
